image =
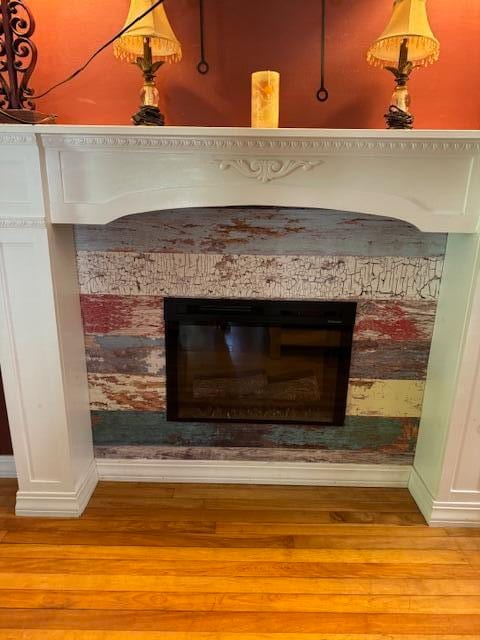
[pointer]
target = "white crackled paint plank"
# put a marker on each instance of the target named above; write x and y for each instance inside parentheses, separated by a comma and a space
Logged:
(287, 277)
(124, 392)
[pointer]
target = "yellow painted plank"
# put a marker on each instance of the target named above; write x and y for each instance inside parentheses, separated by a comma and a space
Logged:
(387, 398)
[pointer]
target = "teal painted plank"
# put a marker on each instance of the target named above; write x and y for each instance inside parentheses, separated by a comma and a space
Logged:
(382, 435)
(263, 231)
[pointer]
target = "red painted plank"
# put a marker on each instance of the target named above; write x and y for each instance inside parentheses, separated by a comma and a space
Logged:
(122, 315)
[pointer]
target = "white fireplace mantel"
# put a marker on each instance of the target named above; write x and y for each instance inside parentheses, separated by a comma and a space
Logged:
(52, 177)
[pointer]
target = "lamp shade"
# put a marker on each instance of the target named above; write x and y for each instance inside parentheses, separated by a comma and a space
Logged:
(156, 27)
(409, 21)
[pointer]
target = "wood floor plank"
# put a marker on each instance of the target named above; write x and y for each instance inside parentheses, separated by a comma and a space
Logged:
(2, 535)
(147, 539)
(312, 504)
(139, 502)
(260, 516)
(86, 565)
(20, 533)
(235, 602)
(51, 634)
(246, 622)
(330, 530)
(270, 492)
(240, 585)
(97, 525)
(92, 550)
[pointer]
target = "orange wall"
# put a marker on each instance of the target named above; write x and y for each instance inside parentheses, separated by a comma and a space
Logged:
(247, 35)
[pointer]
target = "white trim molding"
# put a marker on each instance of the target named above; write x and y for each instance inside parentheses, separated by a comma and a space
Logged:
(7, 467)
(454, 513)
(58, 504)
(254, 472)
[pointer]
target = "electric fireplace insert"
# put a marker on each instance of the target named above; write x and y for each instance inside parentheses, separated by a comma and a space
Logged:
(258, 360)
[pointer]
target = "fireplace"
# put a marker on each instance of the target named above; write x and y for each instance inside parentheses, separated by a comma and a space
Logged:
(54, 177)
(258, 360)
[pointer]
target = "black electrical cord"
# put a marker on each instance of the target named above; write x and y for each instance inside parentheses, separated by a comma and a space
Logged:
(85, 65)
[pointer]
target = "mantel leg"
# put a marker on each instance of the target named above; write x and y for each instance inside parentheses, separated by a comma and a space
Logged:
(42, 357)
(446, 477)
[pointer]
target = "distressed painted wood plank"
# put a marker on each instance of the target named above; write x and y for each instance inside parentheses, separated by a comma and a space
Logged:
(286, 277)
(395, 320)
(389, 360)
(400, 398)
(126, 392)
(393, 435)
(117, 354)
(136, 315)
(256, 230)
(122, 315)
(280, 454)
(123, 392)
(125, 354)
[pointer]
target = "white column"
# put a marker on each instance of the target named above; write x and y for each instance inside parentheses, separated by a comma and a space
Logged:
(446, 477)
(42, 355)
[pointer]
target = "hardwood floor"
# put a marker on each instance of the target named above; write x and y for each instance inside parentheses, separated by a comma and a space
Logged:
(217, 562)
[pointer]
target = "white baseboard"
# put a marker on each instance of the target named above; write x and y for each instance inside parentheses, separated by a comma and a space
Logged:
(7, 467)
(442, 514)
(61, 504)
(253, 472)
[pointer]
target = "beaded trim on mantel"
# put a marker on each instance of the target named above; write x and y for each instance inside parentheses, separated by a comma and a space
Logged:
(241, 144)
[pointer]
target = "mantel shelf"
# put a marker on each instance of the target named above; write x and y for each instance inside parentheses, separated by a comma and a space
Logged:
(93, 175)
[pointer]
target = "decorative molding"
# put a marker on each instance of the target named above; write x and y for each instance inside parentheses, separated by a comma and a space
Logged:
(17, 138)
(61, 504)
(267, 169)
(248, 472)
(442, 513)
(7, 467)
(261, 144)
(22, 223)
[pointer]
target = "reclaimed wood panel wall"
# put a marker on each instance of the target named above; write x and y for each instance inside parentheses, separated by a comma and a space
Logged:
(126, 268)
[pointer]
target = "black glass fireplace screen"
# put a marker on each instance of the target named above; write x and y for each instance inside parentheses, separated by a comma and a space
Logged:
(258, 361)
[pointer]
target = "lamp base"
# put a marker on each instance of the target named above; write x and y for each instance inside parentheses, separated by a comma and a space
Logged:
(396, 118)
(148, 116)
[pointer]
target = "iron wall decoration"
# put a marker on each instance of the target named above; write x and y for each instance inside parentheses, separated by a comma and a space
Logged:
(18, 57)
(322, 94)
(202, 67)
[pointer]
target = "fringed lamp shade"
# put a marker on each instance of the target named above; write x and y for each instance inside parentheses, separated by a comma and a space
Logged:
(156, 27)
(409, 21)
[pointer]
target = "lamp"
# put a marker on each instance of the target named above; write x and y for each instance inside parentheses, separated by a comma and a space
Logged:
(408, 42)
(149, 43)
